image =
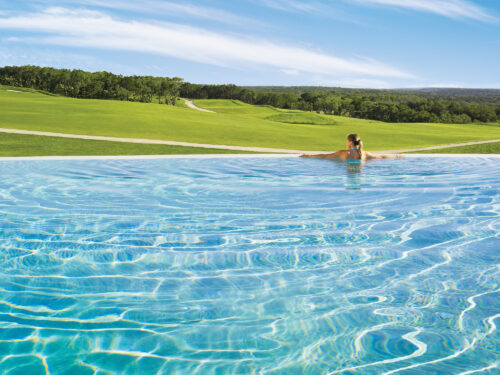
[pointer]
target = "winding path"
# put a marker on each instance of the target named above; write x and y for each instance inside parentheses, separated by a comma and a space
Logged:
(191, 104)
(150, 141)
(223, 147)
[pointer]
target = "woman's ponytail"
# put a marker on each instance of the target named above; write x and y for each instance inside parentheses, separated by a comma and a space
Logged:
(359, 146)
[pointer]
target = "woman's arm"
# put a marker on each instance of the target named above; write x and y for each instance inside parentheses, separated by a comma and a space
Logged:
(323, 156)
(383, 156)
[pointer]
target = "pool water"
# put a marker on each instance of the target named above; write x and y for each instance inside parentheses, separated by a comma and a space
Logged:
(250, 265)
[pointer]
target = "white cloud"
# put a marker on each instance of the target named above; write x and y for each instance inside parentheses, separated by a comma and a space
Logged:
(165, 8)
(355, 83)
(291, 5)
(447, 8)
(329, 9)
(92, 29)
(453, 85)
(48, 57)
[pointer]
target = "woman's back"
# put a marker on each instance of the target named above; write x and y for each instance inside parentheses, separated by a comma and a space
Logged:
(354, 152)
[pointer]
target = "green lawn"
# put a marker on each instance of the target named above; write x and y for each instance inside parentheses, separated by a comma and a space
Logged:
(235, 123)
(308, 118)
(487, 148)
(34, 145)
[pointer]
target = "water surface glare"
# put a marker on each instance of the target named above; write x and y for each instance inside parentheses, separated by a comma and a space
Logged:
(253, 265)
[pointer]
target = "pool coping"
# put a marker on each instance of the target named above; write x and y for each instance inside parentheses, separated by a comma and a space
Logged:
(217, 156)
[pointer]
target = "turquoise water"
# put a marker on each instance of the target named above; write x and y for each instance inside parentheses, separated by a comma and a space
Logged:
(251, 265)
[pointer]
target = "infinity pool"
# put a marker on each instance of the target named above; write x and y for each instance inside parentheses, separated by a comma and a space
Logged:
(250, 265)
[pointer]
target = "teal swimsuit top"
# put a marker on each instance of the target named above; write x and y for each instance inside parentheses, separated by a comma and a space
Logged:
(353, 161)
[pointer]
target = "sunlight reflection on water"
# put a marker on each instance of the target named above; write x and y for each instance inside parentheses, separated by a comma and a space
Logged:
(274, 266)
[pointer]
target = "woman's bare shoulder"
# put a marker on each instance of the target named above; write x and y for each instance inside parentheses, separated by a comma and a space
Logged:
(371, 155)
(336, 154)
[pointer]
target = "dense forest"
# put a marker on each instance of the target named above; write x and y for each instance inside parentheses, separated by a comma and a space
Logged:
(433, 105)
(467, 95)
(100, 85)
(444, 91)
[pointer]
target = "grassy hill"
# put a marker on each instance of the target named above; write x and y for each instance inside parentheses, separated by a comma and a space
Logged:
(235, 123)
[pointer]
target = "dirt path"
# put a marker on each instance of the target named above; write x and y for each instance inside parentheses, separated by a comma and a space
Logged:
(190, 104)
(223, 147)
(149, 141)
(437, 147)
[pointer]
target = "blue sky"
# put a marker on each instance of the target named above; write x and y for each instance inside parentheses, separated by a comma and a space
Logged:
(348, 43)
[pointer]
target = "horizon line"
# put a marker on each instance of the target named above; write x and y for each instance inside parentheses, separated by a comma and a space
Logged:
(270, 85)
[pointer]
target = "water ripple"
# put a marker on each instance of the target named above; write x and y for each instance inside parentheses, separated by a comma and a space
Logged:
(240, 266)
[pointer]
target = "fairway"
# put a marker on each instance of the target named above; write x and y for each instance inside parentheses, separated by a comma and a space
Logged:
(234, 123)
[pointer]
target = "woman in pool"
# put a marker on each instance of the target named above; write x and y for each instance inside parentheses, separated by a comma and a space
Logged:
(354, 151)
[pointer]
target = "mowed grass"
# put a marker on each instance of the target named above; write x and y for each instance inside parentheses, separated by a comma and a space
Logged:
(486, 148)
(33, 145)
(235, 123)
(308, 118)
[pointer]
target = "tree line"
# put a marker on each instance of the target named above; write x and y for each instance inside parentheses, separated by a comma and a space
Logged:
(100, 85)
(381, 105)
(467, 95)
